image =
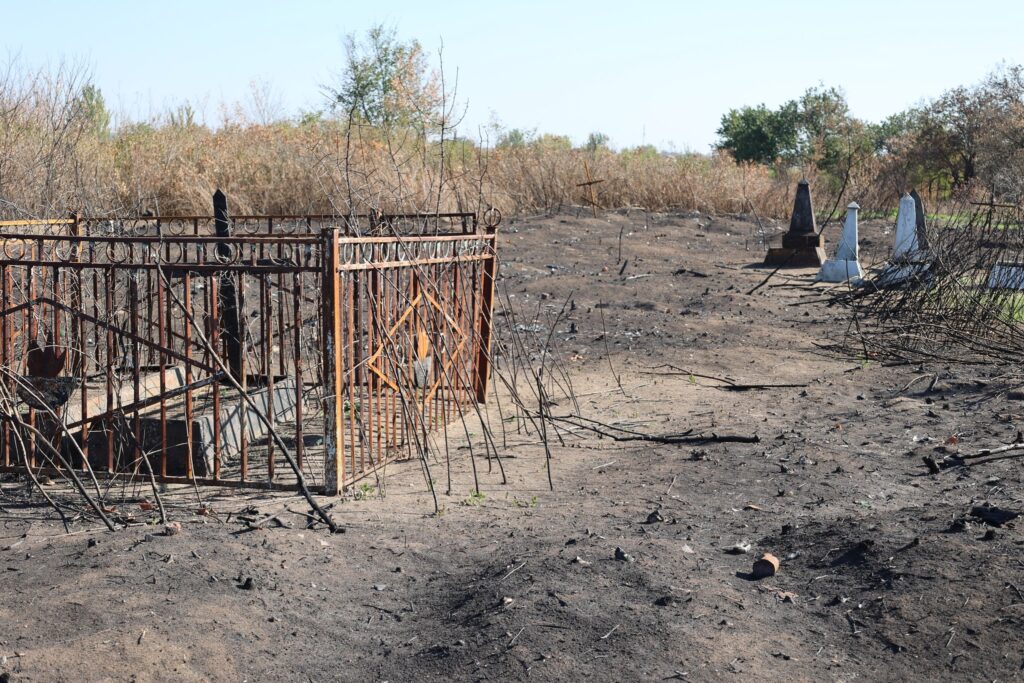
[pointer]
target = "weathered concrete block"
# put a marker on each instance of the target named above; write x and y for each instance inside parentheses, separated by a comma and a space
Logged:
(805, 257)
(235, 419)
(149, 387)
(835, 270)
(121, 437)
(238, 419)
(1006, 276)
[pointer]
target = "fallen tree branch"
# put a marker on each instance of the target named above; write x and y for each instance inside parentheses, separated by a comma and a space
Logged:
(1018, 444)
(728, 384)
(962, 460)
(756, 387)
(687, 437)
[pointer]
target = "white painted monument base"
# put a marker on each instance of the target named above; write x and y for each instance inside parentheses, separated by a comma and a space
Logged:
(1006, 276)
(896, 275)
(909, 264)
(845, 266)
(840, 271)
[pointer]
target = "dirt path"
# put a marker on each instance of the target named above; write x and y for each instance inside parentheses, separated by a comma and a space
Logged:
(880, 578)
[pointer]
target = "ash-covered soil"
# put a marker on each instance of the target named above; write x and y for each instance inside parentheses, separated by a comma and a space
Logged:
(885, 574)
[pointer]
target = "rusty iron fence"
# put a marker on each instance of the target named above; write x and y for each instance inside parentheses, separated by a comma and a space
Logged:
(354, 337)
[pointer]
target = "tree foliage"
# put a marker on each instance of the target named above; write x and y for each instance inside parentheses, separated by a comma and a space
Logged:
(760, 134)
(973, 130)
(386, 82)
(91, 107)
(597, 141)
(815, 129)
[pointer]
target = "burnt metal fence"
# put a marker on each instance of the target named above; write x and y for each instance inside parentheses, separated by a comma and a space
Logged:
(354, 337)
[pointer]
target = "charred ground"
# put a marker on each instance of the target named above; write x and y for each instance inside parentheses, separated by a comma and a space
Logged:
(885, 574)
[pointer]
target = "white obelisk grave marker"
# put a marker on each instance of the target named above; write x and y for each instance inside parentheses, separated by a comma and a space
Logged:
(906, 231)
(846, 265)
(910, 263)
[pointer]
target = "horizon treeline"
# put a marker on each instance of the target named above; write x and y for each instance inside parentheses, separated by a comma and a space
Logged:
(387, 139)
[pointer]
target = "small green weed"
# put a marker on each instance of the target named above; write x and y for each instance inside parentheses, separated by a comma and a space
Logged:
(475, 498)
(365, 490)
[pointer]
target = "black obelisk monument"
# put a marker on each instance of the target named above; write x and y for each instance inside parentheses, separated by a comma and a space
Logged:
(802, 246)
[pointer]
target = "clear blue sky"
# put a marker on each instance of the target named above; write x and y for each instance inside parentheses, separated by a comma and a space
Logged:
(660, 72)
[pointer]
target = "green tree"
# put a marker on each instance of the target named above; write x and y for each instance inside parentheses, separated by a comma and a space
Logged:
(91, 107)
(310, 119)
(641, 152)
(554, 142)
(184, 116)
(386, 82)
(514, 138)
(825, 127)
(886, 135)
(815, 130)
(759, 134)
(969, 133)
(596, 141)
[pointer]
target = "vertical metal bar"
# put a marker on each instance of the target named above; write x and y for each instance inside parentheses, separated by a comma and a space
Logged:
(150, 353)
(394, 300)
(282, 338)
(429, 329)
(133, 300)
(229, 307)
(384, 325)
(482, 369)
(187, 334)
(350, 348)
(297, 361)
(76, 346)
(467, 348)
(56, 317)
(460, 388)
(109, 363)
(451, 331)
(268, 346)
(5, 355)
(214, 342)
(243, 381)
(30, 457)
(334, 461)
(375, 385)
(370, 378)
(84, 362)
(391, 298)
(412, 422)
(356, 413)
(162, 341)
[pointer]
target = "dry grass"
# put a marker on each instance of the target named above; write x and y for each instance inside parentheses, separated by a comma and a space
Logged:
(57, 155)
(293, 168)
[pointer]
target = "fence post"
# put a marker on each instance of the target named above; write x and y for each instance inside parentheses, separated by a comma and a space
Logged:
(74, 290)
(227, 296)
(334, 461)
(482, 371)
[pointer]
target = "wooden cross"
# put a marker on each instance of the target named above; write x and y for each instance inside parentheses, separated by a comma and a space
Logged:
(590, 184)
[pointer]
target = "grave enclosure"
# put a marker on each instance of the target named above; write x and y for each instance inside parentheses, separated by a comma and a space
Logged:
(162, 343)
